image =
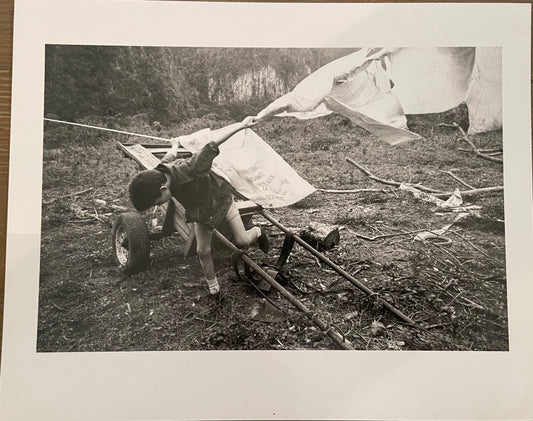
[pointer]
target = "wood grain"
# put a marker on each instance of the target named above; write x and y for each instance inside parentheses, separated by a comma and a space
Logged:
(6, 48)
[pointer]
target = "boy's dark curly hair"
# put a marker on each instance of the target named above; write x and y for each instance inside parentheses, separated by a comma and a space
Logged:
(145, 188)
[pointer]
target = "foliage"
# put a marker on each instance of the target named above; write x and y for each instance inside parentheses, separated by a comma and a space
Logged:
(169, 84)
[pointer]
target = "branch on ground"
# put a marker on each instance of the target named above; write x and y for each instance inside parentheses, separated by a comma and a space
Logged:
(477, 151)
(459, 180)
(437, 193)
(79, 193)
(380, 237)
(352, 191)
(389, 182)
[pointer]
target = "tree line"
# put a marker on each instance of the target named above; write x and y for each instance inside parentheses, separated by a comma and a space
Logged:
(170, 84)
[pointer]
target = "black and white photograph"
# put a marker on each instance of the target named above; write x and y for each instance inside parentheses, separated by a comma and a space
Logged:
(356, 200)
(265, 211)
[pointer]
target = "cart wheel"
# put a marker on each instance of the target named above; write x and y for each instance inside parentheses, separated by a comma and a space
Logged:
(131, 244)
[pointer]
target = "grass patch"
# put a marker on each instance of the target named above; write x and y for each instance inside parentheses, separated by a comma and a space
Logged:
(456, 292)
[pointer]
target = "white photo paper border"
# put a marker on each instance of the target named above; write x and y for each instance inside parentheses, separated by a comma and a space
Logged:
(262, 384)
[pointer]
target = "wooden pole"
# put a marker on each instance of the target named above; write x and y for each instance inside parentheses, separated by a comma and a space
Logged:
(336, 337)
(338, 269)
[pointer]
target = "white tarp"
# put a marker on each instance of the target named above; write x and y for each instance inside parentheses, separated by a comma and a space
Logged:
(426, 80)
(355, 86)
(431, 80)
(253, 168)
(389, 134)
(366, 98)
(484, 97)
(305, 100)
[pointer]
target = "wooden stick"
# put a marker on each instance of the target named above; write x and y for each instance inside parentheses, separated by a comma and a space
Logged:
(473, 304)
(438, 193)
(389, 182)
(378, 237)
(53, 199)
(495, 324)
(438, 325)
(498, 151)
(372, 176)
(459, 180)
(473, 192)
(351, 191)
(58, 307)
(474, 148)
(445, 125)
(473, 246)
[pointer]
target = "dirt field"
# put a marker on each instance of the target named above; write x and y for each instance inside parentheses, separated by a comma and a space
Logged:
(454, 289)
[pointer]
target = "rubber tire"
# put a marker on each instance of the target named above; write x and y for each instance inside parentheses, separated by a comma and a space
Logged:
(138, 247)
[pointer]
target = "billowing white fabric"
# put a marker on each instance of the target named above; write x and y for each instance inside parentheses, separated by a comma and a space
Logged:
(304, 99)
(365, 97)
(431, 80)
(253, 168)
(355, 86)
(426, 80)
(484, 98)
(385, 132)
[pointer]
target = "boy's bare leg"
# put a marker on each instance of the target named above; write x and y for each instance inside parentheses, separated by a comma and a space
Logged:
(204, 238)
(242, 237)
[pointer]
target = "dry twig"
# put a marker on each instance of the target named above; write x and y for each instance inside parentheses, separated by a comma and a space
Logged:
(473, 192)
(473, 246)
(459, 180)
(352, 191)
(491, 151)
(58, 307)
(53, 199)
(438, 325)
(437, 193)
(388, 182)
(379, 237)
(473, 304)
(474, 147)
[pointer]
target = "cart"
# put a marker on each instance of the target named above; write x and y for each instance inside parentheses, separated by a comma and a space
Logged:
(131, 241)
(131, 238)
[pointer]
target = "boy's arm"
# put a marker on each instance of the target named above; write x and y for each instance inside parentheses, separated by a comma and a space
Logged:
(219, 136)
(200, 162)
(172, 154)
(187, 169)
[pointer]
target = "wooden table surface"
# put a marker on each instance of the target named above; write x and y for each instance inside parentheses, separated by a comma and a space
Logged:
(6, 46)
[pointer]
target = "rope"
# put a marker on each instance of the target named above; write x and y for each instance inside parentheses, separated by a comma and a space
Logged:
(106, 129)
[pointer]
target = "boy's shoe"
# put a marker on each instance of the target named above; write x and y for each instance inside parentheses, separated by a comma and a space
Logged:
(262, 241)
(214, 288)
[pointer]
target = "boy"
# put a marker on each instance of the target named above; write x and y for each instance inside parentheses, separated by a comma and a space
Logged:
(207, 198)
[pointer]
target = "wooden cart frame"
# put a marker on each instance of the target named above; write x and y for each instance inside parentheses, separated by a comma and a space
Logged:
(131, 241)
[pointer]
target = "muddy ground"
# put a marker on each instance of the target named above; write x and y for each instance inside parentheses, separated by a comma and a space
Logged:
(453, 288)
